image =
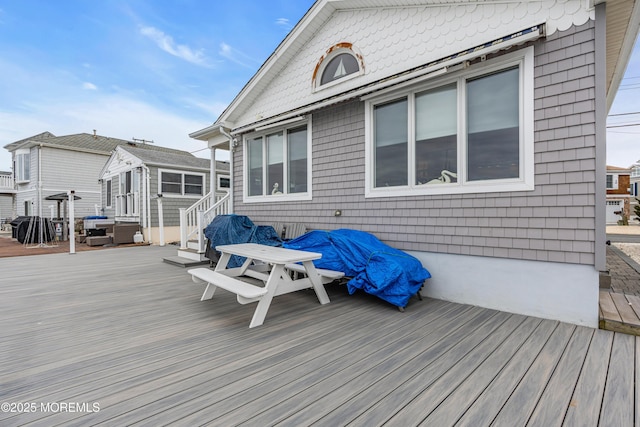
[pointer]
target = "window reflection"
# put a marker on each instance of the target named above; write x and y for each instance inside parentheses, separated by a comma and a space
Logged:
(391, 140)
(493, 131)
(436, 136)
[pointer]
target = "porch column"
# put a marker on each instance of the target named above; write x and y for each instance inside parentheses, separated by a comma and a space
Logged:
(213, 178)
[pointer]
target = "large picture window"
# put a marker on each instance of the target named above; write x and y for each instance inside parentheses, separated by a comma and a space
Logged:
(278, 164)
(466, 132)
(181, 183)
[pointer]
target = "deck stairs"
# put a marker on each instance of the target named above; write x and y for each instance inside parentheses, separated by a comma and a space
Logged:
(193, 221)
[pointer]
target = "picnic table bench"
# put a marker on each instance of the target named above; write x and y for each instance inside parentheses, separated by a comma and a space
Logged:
(272, 266)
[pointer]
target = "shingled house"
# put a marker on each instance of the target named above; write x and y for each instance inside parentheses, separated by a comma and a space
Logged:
(471, 134)
(45, 165)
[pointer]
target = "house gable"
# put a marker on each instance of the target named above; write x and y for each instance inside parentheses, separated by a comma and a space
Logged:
(119, 161)
(389, 41)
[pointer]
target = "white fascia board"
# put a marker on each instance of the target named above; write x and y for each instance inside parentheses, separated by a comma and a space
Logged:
(211, 132)
(438, 68)
(633, 28)
(317, 15)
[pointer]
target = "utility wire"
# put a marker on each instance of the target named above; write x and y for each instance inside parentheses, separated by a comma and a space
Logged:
(623, 126)
(623, 114)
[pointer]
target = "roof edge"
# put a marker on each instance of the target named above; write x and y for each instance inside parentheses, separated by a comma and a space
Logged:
(633, 28)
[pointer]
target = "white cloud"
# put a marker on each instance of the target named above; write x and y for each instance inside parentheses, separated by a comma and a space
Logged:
(236, 56)
(166, 43)
(89, 86)
(284, 23)
(114, 116)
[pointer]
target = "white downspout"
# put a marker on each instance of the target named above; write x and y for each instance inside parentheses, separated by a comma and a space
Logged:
(160, 219)
(231, 180)
(147, 201)
(213, 176)
(41, 225)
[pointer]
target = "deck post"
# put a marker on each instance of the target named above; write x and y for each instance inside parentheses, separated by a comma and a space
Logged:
(183, 228)
(72, 222)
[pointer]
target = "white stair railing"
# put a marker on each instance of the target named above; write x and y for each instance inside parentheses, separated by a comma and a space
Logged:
(194, 218)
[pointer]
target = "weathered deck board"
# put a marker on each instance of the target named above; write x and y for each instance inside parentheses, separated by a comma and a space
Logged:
(485, 408)
(459, 401)
(618, 401)
(627, 314)
(619, 312)
(429, 395)
(551, 408)
(637, 381)
(367, 371)
(586, 400)
(634, 303)
(608, 307)
(128, 331)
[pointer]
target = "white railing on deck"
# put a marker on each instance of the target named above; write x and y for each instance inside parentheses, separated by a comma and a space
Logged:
(6, 182)
(194, 218)
(127, 204)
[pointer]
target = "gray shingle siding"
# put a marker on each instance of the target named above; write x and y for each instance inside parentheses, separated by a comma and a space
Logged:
(555, 222)
(170, 204)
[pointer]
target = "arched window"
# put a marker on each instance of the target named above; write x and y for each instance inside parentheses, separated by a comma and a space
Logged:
(339, 62)
(340, 66)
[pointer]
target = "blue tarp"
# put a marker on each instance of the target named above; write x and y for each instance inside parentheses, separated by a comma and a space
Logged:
(232, 229)
(376, 268)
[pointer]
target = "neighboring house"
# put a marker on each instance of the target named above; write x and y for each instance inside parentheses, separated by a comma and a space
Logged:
(134, 179)
(634, 190)
(470, 134)
(46, 164)
(7, 190)
(618, 194)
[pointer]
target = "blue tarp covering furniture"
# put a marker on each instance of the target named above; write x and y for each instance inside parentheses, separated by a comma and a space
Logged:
(378, 269)
(232, 229)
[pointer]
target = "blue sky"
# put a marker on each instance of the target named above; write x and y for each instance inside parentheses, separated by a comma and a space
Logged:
(149, 69)
(623, 141)
(160, 69)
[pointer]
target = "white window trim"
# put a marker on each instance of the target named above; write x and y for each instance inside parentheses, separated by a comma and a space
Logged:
(614, 181)
(19, 172)
(353, 51)
(525, 59)
(218, 184)
(109, 201)
(182, 195)
(282, 197)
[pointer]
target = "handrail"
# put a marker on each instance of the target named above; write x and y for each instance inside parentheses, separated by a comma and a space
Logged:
(197, 216)
(6, 182)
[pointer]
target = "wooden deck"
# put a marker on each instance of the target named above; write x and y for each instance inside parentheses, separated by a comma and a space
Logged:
(123, 332)
(620, 312)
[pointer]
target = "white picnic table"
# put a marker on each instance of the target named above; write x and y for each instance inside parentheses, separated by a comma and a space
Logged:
(271, 265)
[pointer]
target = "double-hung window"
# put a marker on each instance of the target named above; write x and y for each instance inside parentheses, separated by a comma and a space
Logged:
(468, 132)
(610, 182)
(22, 166)
(278, 164)
(109, 193)
(181, 183)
